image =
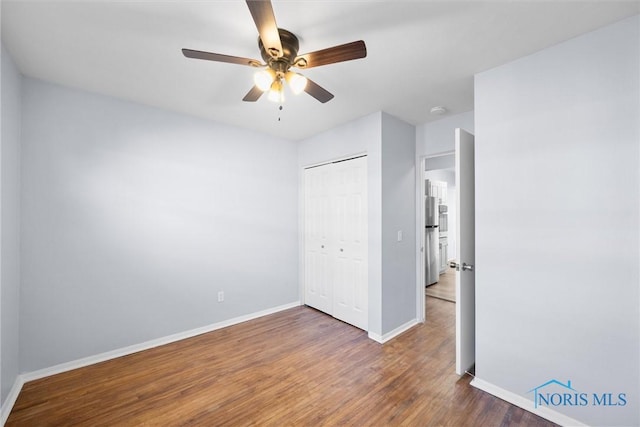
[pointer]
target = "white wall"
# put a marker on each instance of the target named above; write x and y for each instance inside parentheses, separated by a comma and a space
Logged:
(557, 220)
(357, 137)
(10, 223)
(134, 218)
(438, 136)
(443, 161)
(398, 214)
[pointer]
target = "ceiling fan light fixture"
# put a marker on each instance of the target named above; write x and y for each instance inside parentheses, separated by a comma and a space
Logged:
(276, 92)
(279, 51)
(297, 82)
(264, 79)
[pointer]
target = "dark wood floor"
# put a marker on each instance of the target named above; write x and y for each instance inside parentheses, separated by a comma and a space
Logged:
(294, 368)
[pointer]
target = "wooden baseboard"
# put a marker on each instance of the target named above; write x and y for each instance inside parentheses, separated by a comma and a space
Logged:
(524, 403)
(80, 363)
(391, 335)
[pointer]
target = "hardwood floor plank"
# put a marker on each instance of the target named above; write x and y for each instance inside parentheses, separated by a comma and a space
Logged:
(299, 367)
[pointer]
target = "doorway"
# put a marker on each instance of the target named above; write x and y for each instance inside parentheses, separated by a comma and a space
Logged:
(464, 242)
(440, 188)
(437, 168)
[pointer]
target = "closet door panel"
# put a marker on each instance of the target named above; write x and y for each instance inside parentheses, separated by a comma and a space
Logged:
(317, 277)
(350, 283)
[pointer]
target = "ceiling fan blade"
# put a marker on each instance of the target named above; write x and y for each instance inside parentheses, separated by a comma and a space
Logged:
(318, 92)
(209, 56)
(253, 95)
(265, 20)
(341, 53)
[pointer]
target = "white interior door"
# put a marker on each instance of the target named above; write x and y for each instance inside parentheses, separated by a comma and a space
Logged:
(336, 253)
(466, 244)
(350, 275)
(317, 189)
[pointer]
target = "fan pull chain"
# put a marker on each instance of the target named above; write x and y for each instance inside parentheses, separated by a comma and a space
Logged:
(279, 108)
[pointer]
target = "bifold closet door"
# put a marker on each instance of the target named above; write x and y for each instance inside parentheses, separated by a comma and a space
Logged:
(350, 231)
(336, 279)
(316, 238)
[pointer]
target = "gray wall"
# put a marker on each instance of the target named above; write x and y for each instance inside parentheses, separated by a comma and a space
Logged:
(557, 221)
(398, 214)
(134, 218)
(356, 137)
(10, 223)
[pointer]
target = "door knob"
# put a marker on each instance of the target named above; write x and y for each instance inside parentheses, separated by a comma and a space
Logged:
(467, 267)
(455, 265)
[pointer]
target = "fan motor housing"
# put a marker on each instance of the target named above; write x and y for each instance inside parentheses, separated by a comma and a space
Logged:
(290, 46)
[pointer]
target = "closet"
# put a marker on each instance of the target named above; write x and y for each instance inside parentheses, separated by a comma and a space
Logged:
(335, 240)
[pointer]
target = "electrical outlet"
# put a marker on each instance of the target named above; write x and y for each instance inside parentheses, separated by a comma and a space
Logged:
(220, 296)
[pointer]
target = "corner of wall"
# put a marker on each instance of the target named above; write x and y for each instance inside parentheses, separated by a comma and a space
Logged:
(10, 130)
(10, 401)
(399, 234)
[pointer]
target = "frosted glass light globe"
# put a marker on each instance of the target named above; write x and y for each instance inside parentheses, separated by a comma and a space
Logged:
(297, 82)
(264, 78)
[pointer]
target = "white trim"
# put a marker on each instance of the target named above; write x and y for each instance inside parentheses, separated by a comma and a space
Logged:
(86, 361)
(335, 160)
(391, 335)
(7, 406)
(441, 153)
(302, 289)
(524, 403)
(420, 257)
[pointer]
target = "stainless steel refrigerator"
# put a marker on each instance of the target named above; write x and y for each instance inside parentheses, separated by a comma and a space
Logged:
(431, 240)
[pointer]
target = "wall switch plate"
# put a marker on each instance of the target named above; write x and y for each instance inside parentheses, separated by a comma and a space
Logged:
(400, 236)
(220, 296)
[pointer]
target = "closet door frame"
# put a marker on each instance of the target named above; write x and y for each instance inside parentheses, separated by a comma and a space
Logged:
(363, 322)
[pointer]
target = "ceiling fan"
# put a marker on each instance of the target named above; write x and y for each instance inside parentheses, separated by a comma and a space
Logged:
(279, 50)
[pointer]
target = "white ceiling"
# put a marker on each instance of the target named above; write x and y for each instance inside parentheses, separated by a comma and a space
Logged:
(420, 53)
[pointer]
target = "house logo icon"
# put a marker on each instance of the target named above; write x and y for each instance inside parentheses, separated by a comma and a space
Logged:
(554, 399)
(555, 393)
